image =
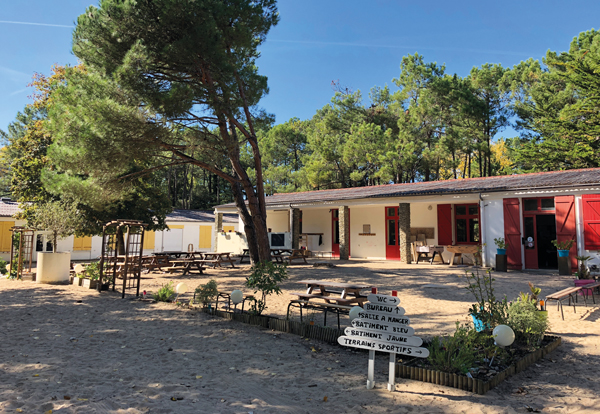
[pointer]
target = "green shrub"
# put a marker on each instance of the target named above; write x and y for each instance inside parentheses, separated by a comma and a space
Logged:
(165, 293)
(265, 277)
(3, 264)
(528, 324)
(454, 354)
(489, 310)
(206, 293)
(92, 271)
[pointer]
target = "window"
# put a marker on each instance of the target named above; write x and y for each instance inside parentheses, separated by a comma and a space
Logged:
(43, 243)
(538, 204)
(82, 244)
(467, 223)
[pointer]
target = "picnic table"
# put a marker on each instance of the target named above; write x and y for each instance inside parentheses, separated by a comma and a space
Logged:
(336, 296)
(278, 254)
(458, 251)
(186, 265)
(216, 258)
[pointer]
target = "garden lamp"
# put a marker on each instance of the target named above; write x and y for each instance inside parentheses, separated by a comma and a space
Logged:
(180, 289)
(354, 312)
(503, 336)
(236, 297)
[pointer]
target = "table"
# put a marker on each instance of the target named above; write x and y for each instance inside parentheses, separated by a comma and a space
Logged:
(186, 265)
(216, 258)
(425, 250)
(345, 295)
(276, 253)
(338, 292)
(458, 251)
(323, 254)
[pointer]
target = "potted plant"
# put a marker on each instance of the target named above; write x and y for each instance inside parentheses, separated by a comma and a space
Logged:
(61, 219)
(501, 245)
(91, 276)
(584, 277)
(563, 247)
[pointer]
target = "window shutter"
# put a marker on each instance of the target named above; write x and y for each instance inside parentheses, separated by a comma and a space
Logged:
(227, 229)
(565, 224)
(82, 243)
(5, 235)
(149, 238)
(591, 221)
(205, 237)
(512, 232)
(444, 213)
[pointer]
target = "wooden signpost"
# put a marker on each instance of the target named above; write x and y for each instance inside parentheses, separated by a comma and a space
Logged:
(382, 326)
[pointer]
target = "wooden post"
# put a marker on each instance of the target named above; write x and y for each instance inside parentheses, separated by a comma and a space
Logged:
(371, 371)
(392, 376)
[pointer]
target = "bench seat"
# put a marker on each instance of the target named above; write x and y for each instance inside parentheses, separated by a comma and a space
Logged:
(568, 293)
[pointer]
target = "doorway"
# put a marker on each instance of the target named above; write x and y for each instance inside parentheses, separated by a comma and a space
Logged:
(335, 232)
(539, 220)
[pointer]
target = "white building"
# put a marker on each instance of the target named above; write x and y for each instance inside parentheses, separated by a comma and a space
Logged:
(528, 210)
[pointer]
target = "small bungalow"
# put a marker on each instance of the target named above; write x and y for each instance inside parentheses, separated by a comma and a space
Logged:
(379, 222)
(195, 227)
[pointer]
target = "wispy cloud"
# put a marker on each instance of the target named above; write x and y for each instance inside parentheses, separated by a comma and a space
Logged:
(17, 92)
(37, 24)
(409, 47)
(15, 75)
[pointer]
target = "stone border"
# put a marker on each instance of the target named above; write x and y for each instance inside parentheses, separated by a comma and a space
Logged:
(477, 386)
(330, 335)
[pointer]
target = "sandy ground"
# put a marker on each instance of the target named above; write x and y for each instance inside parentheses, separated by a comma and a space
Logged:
(72, 350)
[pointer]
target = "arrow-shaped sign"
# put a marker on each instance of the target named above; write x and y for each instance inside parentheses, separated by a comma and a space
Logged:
(384, 309)
(379, 317)
(376, 345)
(383, 327)
(381, 336)
(383, 299)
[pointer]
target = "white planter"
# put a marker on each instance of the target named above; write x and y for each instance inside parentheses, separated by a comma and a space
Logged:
(53, 267)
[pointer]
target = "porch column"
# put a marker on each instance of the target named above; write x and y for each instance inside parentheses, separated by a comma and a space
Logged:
(404, 232)
(218, 228)
(344, 223)
(295, 227)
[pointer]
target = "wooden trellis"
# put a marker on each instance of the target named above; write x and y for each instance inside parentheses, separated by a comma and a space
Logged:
(21, 252)
(122, 250)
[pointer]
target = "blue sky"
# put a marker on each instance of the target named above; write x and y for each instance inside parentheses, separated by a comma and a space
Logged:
(359, 43)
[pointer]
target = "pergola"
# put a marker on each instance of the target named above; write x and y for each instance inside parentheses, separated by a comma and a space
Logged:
(122, 250)
(21, 251)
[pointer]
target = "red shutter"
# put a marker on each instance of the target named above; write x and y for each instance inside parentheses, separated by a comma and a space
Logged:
(444, 213)
(565, 224)
(512, 232)
(591, 221)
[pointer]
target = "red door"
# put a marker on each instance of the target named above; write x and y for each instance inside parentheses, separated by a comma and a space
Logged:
(512, 232)
(392, 245)
(335, 232)
(565, 224)
(444, 216)
(591, 221)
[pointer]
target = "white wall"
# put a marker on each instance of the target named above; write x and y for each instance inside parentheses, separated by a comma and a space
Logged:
(367, 247)
(278, 221)
(318, 221)
(231, 242)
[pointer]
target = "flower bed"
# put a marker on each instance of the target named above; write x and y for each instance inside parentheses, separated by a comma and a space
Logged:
(417, 369)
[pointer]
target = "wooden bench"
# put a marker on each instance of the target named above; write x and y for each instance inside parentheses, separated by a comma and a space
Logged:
(586, 289)
(323, 254)
(296, 255)
(186, 266)
(568, 293)
(324, 307)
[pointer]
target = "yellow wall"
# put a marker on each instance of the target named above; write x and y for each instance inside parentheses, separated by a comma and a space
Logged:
(227, 229)
(5, 235)
(205, 237)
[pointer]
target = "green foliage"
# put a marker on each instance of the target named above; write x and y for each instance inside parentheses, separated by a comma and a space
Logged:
(563, 245)
(500, 243)
(3, 264)
(265, 278)
(165, 293)
(583, 272)
(526, 321)
(490, 311)
(92, 271)
(454, 354)
(61, 218)
(206, 293)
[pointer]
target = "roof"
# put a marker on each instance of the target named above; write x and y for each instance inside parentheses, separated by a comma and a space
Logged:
(8, 208)
(199, 215)
(531, 181)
